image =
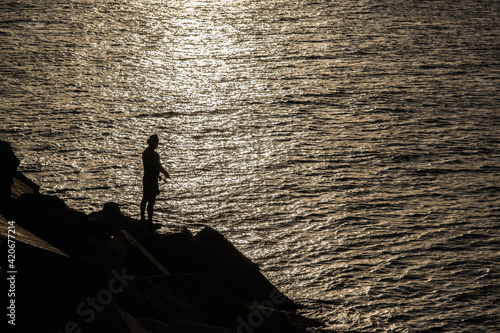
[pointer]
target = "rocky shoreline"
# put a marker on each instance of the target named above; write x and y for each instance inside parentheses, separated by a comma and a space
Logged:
(105, 272)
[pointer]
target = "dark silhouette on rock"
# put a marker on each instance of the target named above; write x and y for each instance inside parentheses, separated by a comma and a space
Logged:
(152, 168)
(8, 168)
(103, 272)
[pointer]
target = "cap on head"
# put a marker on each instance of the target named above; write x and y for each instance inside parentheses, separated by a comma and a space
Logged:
(153, 140)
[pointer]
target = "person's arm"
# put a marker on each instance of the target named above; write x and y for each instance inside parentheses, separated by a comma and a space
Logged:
(162, 169)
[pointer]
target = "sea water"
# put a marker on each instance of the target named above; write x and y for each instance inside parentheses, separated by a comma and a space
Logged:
(350, 148)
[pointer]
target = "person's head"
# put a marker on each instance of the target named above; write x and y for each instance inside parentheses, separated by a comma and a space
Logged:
(153, 141)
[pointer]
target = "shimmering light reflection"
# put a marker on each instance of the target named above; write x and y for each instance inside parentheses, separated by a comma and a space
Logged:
(348, 147)
(208, 87)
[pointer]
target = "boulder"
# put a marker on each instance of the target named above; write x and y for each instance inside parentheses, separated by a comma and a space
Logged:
(148, 299)
(230, 268)
(112, 318)
(153, 325)
(8, 168)
(110, 220)
(216, 305)
(140, 305)
(34, 257)
(140, 260)
(191, 327)
(49, 218)
(177, 251)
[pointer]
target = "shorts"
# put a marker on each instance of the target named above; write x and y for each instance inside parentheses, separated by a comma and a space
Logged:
(150, 188)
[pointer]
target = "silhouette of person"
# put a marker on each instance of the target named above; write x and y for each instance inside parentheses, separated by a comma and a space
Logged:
(152, 169)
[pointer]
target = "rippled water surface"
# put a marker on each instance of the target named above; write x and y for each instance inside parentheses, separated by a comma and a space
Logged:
(350, 148)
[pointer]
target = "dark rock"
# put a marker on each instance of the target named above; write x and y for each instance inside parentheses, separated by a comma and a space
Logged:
(148, 299)
(34, 257)
(112, 318)
(49, 218)
(193, 327)
(8, 168)
(217, 306)
(35, 313)
(110, 220)
(175, 251)
(22, 179)
(141, 305)
(140, 260)
(46, 280)
(153, 325)
(175, 304)
(230, 268)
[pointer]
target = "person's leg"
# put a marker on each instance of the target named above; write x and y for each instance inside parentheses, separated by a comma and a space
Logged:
(151, 205)
(143, 208)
